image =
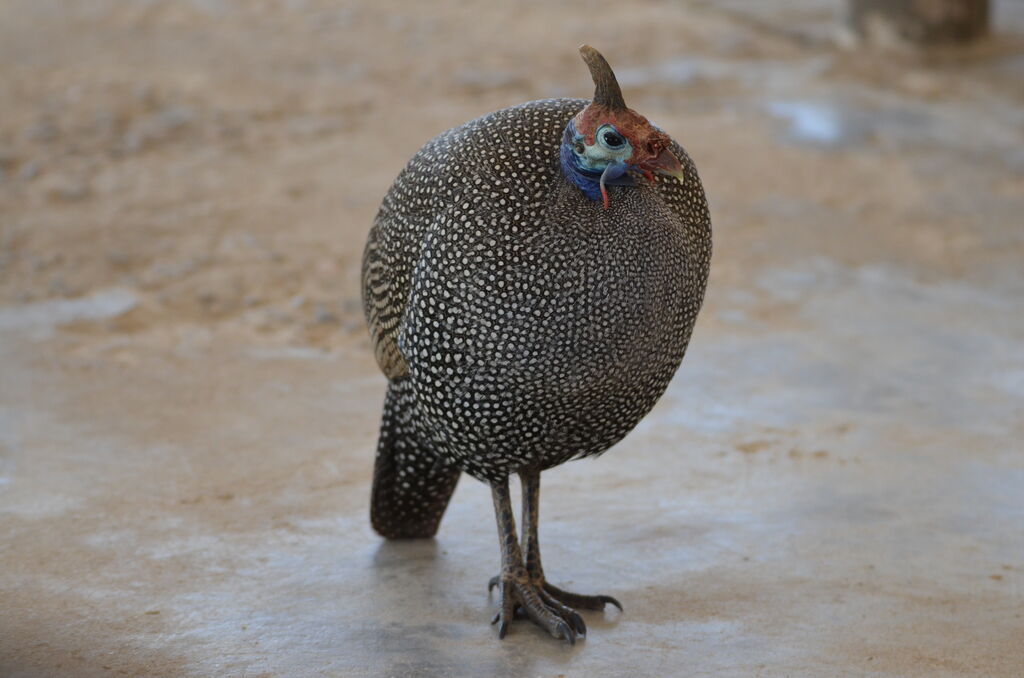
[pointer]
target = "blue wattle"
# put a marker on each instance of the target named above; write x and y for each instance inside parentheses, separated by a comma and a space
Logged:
(588, 180)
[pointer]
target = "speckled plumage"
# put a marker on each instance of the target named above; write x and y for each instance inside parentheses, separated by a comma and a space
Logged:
(534, 325)
(521, 324)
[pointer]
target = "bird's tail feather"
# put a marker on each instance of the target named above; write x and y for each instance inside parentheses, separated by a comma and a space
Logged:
(411, 485)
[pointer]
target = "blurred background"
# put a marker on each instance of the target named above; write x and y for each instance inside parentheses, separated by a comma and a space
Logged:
(833, 485)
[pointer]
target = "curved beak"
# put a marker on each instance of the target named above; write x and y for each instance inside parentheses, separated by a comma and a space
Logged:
(664, 163)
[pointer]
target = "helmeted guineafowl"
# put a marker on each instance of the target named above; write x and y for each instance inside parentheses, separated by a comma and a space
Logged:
(530, 283)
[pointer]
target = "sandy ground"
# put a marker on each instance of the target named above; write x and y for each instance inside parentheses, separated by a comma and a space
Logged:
(833, 486)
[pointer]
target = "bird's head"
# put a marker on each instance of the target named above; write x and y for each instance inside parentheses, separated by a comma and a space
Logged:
(609, 144)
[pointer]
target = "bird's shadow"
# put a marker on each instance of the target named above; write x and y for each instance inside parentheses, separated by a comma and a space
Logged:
(394, 552)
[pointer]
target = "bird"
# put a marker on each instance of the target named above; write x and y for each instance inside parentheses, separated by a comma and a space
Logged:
(530, 283)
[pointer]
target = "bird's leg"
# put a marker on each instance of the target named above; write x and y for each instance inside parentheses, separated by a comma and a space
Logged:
(514, 586)
(531, 545)
(530, 481)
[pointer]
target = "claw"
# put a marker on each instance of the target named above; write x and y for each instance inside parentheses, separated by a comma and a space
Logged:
(565, 632)
(566, 612)
(609, 599)
(545, 604)
(577, 622)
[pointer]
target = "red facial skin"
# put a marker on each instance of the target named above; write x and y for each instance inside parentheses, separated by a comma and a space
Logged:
(650, 145)
(648, 142)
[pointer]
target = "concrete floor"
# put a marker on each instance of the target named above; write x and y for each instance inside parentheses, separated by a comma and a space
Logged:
(833, 485)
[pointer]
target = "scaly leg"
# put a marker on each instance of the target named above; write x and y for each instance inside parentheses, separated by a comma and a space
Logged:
(531, 545)
(554, 598)
(516, 590)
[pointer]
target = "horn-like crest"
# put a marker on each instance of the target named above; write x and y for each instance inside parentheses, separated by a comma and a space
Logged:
(606, 87)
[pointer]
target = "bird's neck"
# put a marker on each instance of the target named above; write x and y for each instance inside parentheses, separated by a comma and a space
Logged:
(587, 181)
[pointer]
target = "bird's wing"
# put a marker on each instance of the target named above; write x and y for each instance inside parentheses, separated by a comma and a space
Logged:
(437, 178)
(384, 300)
(394, 246)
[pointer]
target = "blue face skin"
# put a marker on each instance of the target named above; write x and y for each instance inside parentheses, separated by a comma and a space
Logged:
(585, 165)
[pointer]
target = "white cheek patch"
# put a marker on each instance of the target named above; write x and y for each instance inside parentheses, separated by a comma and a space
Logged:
(596, 158)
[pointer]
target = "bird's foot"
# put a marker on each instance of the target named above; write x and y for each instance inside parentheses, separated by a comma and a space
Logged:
(520, 596)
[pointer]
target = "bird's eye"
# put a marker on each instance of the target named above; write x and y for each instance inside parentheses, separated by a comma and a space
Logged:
(612, 138)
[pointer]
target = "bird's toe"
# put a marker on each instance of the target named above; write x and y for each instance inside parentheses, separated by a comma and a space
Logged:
(520, 598)
(577, 600)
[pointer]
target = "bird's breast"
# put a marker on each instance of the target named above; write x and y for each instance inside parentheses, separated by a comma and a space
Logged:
(564, 306)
